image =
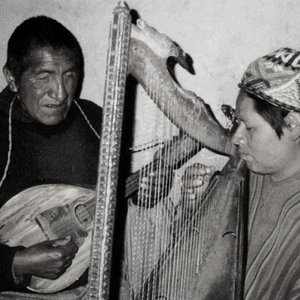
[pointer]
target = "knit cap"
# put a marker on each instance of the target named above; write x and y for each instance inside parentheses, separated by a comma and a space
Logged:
(275, 78)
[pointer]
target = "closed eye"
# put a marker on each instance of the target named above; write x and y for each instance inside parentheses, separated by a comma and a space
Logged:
(43, 76)
(70, 74)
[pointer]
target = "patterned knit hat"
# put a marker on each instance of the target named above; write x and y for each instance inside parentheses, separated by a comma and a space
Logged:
(275, 78)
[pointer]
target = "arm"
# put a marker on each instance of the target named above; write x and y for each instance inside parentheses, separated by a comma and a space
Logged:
(7, 280)
(48, 259)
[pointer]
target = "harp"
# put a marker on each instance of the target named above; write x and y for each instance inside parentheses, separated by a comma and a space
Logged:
(198, 255)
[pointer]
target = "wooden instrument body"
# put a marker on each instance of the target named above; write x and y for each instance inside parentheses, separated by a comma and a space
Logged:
(203, 260)
(60, 204)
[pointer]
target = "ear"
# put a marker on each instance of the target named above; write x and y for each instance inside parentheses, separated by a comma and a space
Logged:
(292, 121)
(10, 79)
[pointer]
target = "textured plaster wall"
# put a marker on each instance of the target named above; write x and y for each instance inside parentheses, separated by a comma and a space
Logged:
(221, 36)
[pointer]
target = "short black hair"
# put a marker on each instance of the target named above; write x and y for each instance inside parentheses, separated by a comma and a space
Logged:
(274, 115)
(39, 32)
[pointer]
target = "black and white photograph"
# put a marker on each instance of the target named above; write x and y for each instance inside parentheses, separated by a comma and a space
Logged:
(150, 150)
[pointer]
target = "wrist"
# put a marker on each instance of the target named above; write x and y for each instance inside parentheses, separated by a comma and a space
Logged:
(19, 276)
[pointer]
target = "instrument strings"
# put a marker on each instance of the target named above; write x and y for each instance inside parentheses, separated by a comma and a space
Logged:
(169, 236)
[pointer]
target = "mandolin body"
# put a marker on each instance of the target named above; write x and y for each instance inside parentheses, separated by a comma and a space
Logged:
(47, 212)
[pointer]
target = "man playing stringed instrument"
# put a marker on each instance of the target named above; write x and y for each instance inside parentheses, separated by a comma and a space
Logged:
(268, 140)
(46, 136)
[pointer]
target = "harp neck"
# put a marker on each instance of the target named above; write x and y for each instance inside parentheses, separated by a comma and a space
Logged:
(149, 67)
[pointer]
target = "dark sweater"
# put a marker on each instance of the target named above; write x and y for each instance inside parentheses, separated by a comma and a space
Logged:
(64, 153)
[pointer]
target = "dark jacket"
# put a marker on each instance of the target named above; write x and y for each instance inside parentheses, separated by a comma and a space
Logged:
(64, 153)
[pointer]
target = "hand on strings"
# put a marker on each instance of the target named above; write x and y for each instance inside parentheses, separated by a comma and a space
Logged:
(195, 181)
(154, 186)
(47, 259)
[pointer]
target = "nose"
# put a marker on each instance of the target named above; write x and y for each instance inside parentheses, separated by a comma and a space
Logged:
(58, 90)
(238, 137)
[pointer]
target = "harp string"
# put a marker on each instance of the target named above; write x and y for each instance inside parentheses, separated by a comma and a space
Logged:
(204, 228)
(199, 241)
(154, 89)
(181, 269)
(183, 241)
(173, 276)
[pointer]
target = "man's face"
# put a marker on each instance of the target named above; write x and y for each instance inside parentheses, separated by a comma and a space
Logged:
(258, 144)
(46, 89)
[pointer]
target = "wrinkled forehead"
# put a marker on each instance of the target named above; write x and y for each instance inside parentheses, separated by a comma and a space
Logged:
(38, 57)
(50, 55)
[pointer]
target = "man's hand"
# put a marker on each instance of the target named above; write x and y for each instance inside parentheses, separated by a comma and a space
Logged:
(48, 259)
(195, 181)
(155, 186)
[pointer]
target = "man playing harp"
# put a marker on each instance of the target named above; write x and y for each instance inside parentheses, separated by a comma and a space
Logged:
(267, 141)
